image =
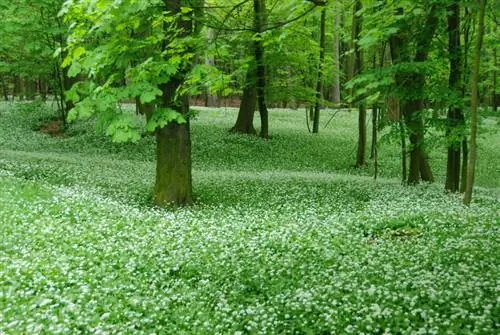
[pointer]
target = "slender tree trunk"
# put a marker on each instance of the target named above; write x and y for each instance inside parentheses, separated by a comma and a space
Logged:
(259, 19)
(465, 159)
(374, 131)
(471, 169)
(319, 83)
(404, 160)
(455, 118)
(244, 122)
(173, 186)
(374, 151)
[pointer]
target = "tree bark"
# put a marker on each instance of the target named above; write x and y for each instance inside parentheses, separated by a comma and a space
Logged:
(455, 117)
(357, 68)
(319, 82)
(471, 168)
(244, 122)
(173, 186)
(259, 19)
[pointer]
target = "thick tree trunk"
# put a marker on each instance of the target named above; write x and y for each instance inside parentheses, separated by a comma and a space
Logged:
(244, 122)
(455, 117)
(319, 83)
(173, 186)
(471, 168)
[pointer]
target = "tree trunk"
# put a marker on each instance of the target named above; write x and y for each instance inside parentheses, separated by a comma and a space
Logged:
(465, 159)
(471, 169)
(455, 117)
(5, 89)
(319, 83)
(357, 68)
(244, 122)
(374, 131)
(173, 186)
(259, 7)
(413, 86)
(495, 97)
(404, 160)
(336, 57)
(361, 154)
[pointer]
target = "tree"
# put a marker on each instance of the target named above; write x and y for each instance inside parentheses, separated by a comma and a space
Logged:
(411, 81)
(259, 7)
(356, 69)
(104, 48)
(455, 117)
(474, 105)
(321, 65)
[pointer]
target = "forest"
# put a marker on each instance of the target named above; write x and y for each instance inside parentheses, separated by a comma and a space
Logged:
(249, 167)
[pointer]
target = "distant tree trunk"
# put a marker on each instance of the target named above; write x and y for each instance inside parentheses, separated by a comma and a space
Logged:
(5, 89)
(455, 117)
(173, 185)
(30, 89)
(244, 122)
(259, 7)
(19, 89)
(474, 105)
(336, 57)
(211, 99)
(319, 83)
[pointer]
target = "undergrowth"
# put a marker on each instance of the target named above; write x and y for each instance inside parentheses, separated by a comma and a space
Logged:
(285, 237)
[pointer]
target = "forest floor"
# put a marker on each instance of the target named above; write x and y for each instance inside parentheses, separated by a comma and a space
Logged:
(286, 237)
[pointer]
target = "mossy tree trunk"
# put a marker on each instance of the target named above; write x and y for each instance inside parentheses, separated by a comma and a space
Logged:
(244, 122)
(474, 105)
(173, 186)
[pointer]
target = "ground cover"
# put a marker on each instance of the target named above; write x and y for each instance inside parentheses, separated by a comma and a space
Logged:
(285, 237)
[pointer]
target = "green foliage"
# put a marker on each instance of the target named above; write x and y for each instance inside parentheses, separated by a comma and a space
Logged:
(120, 48)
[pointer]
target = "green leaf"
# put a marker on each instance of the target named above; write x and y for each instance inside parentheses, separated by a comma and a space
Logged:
(74, 69)
(149, 96)
(163, 116)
